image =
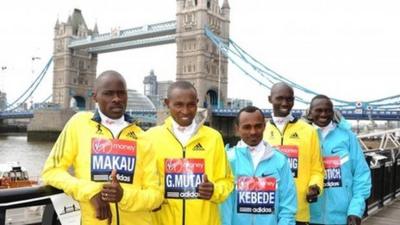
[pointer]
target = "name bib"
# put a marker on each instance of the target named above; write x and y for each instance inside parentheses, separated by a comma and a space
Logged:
(109, 154)
(292, 152)
(256, 195)
(182, 177)
(333, 174)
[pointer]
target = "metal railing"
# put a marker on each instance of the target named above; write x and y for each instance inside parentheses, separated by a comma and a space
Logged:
(382, 150)
(384, 161)
(385, 177)
(29, 196)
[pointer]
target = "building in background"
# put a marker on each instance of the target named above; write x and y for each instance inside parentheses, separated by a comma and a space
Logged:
(155, 90)
(3, 101)
(138, 101)
(142, 109)
(162, 89)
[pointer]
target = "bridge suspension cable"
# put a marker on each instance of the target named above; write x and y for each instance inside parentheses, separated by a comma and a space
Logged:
(31, 89)
(245, 62)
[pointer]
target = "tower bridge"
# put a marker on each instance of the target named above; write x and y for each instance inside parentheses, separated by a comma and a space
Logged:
(203, 48)
(76, 48)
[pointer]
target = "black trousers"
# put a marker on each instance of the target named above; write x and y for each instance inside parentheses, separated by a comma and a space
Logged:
(302, 223)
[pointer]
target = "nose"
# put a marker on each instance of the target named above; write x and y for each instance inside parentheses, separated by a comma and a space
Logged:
(285, 102)
(253, 130)
(324, 113)
(116, 98)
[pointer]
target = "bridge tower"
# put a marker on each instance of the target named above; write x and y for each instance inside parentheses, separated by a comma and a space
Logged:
(198, 59)
(74, 70)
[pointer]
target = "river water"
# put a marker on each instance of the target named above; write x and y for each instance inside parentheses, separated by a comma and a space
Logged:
(30, 155)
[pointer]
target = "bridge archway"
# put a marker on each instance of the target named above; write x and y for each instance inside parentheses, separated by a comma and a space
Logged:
(211, 99)
(78, 102)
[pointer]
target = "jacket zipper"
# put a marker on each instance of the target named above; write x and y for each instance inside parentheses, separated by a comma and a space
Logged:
(254, 175)
(184, 156)
(281, 133)
(112, 135)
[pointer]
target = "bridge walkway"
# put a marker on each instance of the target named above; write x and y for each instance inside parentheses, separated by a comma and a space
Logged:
(389, 215)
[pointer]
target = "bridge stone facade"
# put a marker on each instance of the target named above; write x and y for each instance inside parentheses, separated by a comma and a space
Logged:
(74, 70)
(198, 59)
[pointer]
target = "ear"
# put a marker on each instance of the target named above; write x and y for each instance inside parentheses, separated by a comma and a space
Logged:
(237, 130)
(166, 102)
(94, 95)
(269, 99)
(308, 114)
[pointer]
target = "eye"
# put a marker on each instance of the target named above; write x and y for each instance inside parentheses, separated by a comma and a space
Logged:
(290, 99)
(107, 93)
(259, 126)
(178, 104)
(246, 127)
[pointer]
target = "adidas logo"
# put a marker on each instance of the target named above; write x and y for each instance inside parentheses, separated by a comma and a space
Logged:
(294, 135)
(198, 147)
(132, 135)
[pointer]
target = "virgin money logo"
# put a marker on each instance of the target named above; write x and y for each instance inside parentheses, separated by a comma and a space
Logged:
(101, 146)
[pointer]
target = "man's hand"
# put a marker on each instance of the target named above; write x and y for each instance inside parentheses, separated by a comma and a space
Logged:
(353, 220)
(102, 208)
(312, 194)
(113, 191)
(206, 189)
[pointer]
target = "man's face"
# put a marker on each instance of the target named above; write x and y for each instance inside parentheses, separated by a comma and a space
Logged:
(321, 112)
(282, 101)
(251, 127)
(182, 105)
(111, 96)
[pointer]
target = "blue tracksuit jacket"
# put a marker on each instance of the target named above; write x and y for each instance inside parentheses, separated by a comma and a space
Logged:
(274, 165)
(347, 178)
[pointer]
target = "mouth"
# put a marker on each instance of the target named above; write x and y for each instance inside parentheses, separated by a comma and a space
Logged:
(323, 119)
(117, 109)
(185, 118)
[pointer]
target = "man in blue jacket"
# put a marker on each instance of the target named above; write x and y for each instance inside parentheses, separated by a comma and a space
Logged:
(265, 191)
(347, 182)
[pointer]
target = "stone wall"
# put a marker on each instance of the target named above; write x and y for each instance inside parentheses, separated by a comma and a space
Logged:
(46, 125)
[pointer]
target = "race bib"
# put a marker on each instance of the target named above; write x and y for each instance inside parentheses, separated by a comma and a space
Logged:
(109, 154)
(333, 174)
(292, 152)
(182, 177)
(256, 195)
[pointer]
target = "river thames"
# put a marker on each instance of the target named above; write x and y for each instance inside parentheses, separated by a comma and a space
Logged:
(30, 155)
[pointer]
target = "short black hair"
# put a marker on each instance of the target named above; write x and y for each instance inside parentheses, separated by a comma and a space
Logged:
(248, 109)
(319, 96)
(105, 74)
(181, 84)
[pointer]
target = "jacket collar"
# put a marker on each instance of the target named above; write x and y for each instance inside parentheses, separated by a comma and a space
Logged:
(199, 120)
(97, 118)
(292, 120)
(243, 149)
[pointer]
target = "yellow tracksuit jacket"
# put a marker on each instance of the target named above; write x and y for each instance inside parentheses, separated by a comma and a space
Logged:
(206, 144)
(307, 165)
(74, 148)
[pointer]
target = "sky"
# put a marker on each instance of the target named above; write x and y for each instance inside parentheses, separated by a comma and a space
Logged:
(345, 49)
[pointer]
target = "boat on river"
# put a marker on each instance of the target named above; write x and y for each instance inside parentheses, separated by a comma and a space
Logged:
(13, 175)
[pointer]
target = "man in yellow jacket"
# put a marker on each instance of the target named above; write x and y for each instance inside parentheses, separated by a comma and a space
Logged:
(192, 162)
(299, 141)
(95, 144)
